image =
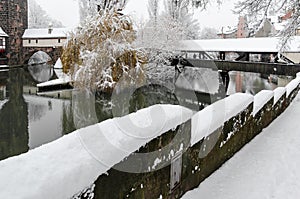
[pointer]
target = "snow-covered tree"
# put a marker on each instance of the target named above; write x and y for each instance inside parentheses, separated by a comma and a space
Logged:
(86, 8)
(92, 7)
(38, 18)
(260, 9)
(160, 39)
(209, 33)
(183, 11)
(100, 52)
(153, 10)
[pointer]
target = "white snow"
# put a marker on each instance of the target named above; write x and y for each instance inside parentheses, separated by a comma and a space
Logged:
(2, 33)
(298, 75)
(213, 117)
(266, 44)
(43, 33)
(260, 99)
(64, 80)
(58, 64)
(266, 168)
(278, 93)
(291, 86)
(2, 103)
(70, 164)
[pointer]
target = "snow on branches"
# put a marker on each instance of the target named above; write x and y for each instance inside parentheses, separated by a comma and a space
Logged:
(92, 7)
(160, 39)
(100, 52)
(260, 9)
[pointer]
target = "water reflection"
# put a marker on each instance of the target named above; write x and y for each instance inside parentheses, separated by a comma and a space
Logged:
(46, 120)
(13, 118)
(248, 83)
(28, 121)
(41, 72)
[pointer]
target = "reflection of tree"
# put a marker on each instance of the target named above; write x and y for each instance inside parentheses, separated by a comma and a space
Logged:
(254, 83)
(13, 117)
(36, 111)
(68, 125)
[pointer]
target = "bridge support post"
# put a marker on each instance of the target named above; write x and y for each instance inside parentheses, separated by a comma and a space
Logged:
(225, 79)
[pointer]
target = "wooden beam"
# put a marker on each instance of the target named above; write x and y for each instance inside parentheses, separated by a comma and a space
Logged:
(245, 66)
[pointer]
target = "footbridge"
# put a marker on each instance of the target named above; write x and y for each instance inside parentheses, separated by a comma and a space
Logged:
(259, 55)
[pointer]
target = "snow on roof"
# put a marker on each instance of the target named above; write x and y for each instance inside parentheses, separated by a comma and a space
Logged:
(260, 99)
(2, 33)
(214, 116)
(84, 154)
(280, 26)
(254, 45)
(227, 30)
(43, 33)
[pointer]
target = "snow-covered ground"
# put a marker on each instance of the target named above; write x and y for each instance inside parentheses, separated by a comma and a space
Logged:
(266, 168)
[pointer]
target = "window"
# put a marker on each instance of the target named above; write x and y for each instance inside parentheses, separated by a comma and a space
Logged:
(58, 40)
(29, 41)
(36, 41)
(1, 42)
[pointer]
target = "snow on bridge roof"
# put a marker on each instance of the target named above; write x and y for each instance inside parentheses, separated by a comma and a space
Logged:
(43, 33)
(2, 33)
(253, 45)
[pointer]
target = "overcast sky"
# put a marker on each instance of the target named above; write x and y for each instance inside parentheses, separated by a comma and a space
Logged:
(66, 11)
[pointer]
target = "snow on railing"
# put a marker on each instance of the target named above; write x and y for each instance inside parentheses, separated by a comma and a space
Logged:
(214, 116)
(292, 86)
(260, 100)
(278, 93)
(68, 165)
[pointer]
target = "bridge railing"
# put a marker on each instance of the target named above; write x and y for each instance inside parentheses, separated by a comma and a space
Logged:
(125, 157)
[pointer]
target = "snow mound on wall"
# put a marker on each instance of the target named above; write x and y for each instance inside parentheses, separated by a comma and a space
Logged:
(260, 99)
(68, 165)
(292, 86)
(278, 93)
(214, 116)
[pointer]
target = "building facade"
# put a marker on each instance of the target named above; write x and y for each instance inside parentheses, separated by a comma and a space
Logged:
(14, 21)
(51, 37)
(242, 29)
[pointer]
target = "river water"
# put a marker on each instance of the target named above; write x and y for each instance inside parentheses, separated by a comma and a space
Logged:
(28, 120)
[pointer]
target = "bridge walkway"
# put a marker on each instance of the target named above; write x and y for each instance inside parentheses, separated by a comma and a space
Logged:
(268, 167)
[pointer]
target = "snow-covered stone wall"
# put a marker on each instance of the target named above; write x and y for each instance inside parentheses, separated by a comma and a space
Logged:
(160, 151)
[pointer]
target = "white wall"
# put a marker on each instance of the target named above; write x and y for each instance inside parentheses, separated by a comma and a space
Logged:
(51, 42)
